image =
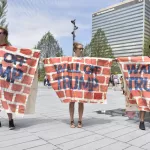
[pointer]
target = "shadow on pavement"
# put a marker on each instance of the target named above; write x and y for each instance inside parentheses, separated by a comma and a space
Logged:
(89, 121)
(113, 112)
(122, 112)
(28, 122)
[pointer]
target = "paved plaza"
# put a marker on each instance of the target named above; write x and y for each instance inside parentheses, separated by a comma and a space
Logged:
(105, 127)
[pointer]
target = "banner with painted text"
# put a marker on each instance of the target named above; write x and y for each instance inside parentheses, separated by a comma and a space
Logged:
(17, 71)
(136, 72)
(79, 79)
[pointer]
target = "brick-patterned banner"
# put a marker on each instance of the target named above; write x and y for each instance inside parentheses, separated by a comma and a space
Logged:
(77, 79)
(17, 71)
(136, 72)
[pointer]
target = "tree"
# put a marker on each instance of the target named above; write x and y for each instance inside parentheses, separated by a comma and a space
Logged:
(41, 73)
(87, 50)
(115, 68)
(100, 46)
(49, 46)
(3, 11)
(147, 47)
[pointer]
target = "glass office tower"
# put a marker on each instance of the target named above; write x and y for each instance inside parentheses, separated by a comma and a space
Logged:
(126, 25)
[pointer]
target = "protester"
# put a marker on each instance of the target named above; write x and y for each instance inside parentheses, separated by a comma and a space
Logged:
(78, 50)
(4, 42)
(136, 99)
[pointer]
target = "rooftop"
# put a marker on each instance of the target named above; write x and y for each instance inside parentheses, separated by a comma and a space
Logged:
(110, 8)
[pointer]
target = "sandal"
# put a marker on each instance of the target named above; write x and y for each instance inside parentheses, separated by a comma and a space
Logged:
(72, 125)
(79, 124)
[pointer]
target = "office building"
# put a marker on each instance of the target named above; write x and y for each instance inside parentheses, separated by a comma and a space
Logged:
(126, 26)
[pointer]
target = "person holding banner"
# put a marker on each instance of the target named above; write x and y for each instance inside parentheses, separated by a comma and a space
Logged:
(4, 42)
(78, 50)
(136, 71)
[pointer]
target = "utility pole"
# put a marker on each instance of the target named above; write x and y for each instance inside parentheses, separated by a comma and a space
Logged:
(73, 33)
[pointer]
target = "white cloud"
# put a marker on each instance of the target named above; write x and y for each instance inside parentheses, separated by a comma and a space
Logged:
(28, 25)
(28, 31)
(29, 20)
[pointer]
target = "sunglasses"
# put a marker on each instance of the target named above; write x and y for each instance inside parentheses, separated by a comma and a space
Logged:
(80, 49)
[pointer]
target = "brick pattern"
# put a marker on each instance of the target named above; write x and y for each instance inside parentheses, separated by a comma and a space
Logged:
(136, 72)
(79, 79)
(14, 95)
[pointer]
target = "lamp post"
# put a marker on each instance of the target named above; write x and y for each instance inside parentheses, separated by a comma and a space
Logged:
(73, 32)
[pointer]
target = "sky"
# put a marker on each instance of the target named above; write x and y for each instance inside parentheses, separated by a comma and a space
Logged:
(29, 20)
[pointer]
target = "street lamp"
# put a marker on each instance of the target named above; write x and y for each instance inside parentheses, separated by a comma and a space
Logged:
(73, 32)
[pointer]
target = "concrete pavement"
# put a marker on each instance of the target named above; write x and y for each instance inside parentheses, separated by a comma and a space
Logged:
(48, 128)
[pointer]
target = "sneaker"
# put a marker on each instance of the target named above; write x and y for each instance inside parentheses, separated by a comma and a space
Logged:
(142, 126)
(11, 125)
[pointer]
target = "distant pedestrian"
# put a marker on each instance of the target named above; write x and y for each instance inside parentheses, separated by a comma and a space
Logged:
(111, 80)
(115, 78)
(48, 83)
(122, 84)
(45, 80)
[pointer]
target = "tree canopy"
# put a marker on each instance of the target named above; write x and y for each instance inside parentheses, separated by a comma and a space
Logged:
(49, 46)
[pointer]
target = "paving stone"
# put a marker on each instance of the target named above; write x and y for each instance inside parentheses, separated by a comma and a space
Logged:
(99, 127)
(44, 147)
(14, 136)
(126, 122)
(131, 136)
(142, 140)
(71, 137)
(57, 132)
(147, 146)
(120, 132)
(18, 141)
(26, 145)
(47, 126)
(116, 146)
(10, 132)
(96, 144)
(109, 129)
(79, 142)
(133, 148)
